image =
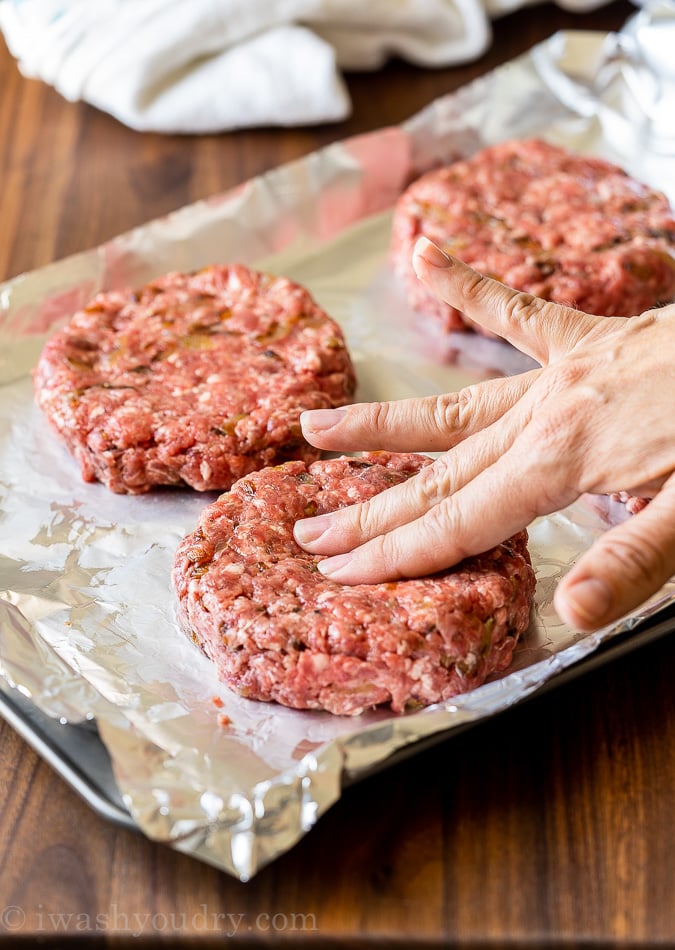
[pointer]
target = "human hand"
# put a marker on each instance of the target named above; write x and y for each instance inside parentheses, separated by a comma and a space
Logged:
(599, 416)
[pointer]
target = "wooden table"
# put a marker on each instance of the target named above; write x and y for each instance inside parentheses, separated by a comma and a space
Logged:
(550, 826)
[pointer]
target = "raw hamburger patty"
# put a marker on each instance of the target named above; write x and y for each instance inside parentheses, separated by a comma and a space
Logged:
(572, 229)
(195, 379)
(276, 629)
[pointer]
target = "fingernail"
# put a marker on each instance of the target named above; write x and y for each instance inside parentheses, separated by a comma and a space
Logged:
(316, 420)
(331, 566)
(591, 599)
(431, 253)
(309, 529)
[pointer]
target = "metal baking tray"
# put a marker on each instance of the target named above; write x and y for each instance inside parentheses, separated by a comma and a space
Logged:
(76, 753)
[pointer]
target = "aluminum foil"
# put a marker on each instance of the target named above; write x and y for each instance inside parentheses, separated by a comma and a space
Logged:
(87, 618)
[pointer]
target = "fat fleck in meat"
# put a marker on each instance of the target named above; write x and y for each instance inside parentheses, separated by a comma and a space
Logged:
(278, 630)
(195, 379)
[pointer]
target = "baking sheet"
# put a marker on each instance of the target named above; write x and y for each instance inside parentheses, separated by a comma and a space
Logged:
(82, 640)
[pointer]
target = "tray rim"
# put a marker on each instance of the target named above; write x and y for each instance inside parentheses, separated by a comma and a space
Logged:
(64, 748)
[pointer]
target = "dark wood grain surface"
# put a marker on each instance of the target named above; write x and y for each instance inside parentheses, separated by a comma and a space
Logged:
(551, 826)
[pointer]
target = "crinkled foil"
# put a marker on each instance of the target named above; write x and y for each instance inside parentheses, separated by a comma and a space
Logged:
(87, 619)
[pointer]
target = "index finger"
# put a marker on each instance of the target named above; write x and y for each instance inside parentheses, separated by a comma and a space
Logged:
(542, 329)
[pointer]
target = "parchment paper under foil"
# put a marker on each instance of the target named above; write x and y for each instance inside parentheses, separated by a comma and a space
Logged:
(87, 619)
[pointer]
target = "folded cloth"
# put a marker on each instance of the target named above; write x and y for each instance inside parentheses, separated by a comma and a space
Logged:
(213, 65)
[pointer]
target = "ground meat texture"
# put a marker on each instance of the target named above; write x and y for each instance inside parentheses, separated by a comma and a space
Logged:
(633, 503)
(196, 379)
(568, 228)
(277, 630)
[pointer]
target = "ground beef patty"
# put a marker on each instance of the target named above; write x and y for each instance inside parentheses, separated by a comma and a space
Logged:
(276, 629)
(195, 379)
(572, 229)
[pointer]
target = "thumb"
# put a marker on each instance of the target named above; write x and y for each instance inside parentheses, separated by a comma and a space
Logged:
(623, 568)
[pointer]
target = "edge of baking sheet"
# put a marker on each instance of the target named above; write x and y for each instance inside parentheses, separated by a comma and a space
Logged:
(79, 757)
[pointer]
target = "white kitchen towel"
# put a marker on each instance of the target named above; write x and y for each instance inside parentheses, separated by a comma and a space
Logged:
(210, 65)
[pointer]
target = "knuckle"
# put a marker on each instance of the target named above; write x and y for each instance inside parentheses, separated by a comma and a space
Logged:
(521, 307)
(445, 527)
(432, 483)
(365, 520)
(476, 286)
(454, 411)
(651, 317)
(446, 412)
(360, 519)
(539, 319)
(380, 415)
(391, 554)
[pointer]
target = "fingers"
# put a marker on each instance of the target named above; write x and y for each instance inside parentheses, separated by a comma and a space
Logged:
(555, 427)
(537, 327)
(433, 424)
(349, 527)
(623, 568)
(494, 504)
